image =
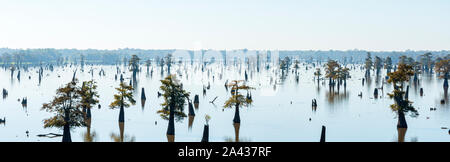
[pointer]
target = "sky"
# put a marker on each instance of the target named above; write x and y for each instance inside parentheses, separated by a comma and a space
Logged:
(377, 25)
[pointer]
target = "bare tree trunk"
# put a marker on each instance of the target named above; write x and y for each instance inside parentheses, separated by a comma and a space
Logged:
(205, 137)
(446, 83)
(322, 135)
(171, 127)
(237, 118)
(66, 132)
(121, 114)
(401, 120)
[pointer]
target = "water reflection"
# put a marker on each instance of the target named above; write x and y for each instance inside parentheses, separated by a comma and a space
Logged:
(90, 137)
(236, 126)
(3, 121)
(122, 137)
(191, 116)
(301, 91)
(401, 134)
(334, 97)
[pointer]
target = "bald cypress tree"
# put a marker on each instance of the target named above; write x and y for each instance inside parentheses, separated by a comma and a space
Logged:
(368, 64)
(238, 100)
(443, 67)
(173, 106)
(123, 99)
(66, 108)
(402, 105)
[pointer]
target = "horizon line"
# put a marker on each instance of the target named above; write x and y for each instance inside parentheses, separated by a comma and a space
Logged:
(149, 49)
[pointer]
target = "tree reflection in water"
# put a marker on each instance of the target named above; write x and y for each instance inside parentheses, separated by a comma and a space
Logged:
(335, 98)
(90, 137)
(230, 139)
(122, 137)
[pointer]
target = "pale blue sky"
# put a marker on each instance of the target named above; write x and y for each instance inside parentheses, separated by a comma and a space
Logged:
(226, 24)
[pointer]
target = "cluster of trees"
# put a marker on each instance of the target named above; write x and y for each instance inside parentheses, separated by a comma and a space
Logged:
(407, 67)
(70, 106)
(65, 56)
(62, 56)
(72, 103)
(335, 73)
(423, 63)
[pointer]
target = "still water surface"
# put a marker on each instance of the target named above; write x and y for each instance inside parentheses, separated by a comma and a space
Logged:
(279, 113)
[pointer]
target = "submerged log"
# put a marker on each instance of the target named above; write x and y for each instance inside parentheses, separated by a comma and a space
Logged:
(50, 135)
(215, 100)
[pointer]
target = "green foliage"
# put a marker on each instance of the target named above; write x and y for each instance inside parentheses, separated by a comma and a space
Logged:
(124, 97)
(296, 62)
(443, 66)
(66, 102)
(388, 63)
(368, 64)
(331, 69)
(406, 60)
(168, 60)
(378, 64)
(317, 73)
(284, 64)
(403, 73)
(174, 96)
(89, 95)
(236, 98)
(207, 118)
(343, 73)
(426, 60)
(417, 67)
(134, 63)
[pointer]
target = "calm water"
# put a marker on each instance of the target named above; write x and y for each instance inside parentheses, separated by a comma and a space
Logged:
(272, 117)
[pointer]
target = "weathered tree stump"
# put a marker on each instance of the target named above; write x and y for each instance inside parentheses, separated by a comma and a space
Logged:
(205, 137)
(191, 110)
(143, 94)
(196, 99)
(375, 93)
(322, 135)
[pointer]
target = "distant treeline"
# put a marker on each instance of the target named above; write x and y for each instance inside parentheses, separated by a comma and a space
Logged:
(94, 56)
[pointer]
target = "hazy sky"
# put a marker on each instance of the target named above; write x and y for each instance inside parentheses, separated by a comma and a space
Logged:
(226, 24)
